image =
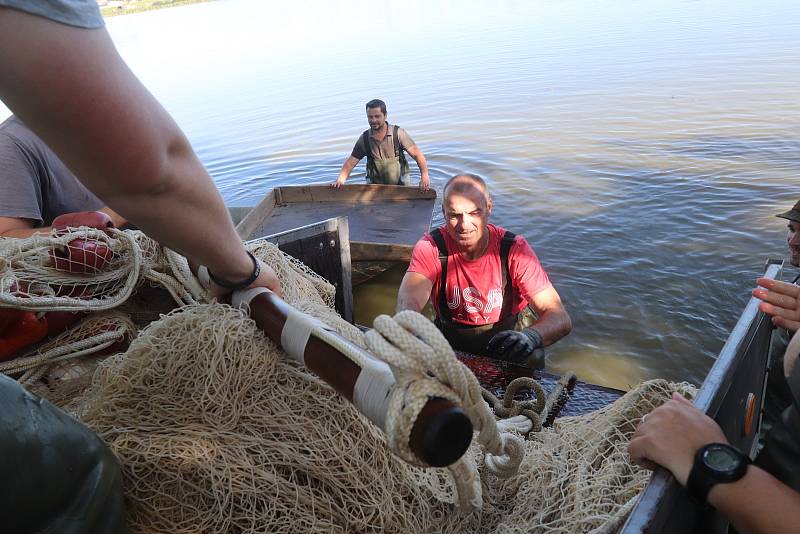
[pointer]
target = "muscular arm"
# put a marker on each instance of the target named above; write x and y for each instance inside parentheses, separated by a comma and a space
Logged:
(71, 87)
(419, 157)
(415, 289)
(554, 321)
(349, 164)
(757, 503)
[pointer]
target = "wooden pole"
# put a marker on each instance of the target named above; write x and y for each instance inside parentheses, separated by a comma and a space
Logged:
(441, 433)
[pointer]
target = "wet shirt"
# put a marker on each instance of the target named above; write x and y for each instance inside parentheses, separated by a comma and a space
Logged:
(475, 287)
(79, 13)
(34, 183)
(382, 149)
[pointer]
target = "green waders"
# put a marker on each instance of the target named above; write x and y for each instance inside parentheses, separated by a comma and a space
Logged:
(473, 339)
(392, 171)
(57, 475)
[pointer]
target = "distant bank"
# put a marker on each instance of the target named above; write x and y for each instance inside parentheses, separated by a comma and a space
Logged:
(111, 8)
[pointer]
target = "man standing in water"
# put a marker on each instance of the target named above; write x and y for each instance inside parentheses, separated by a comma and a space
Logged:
(383, 145)
(479, 277)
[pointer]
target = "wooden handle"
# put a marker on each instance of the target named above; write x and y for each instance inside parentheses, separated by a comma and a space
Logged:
(442, 431)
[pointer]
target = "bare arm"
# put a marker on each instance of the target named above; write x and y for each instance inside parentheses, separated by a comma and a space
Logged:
(671, 436)
(419, 157)
(757, 503)
(16, 227)
(71, 87)
(554, 321)
(415, 290)
(20, 227)
(349, 164)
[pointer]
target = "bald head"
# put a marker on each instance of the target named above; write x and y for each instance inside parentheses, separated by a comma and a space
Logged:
(466, 208)
(467, 184)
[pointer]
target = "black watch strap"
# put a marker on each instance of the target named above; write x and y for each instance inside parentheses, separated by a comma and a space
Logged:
(705, 475)
(243, 284)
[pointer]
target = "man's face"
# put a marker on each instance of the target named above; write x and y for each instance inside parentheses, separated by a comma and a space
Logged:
(793, 238)
(376, 118)
(466, 214)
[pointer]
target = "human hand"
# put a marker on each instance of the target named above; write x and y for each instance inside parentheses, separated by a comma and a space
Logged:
(338, 183)
(781, 300)
(424, 183)
(266, 278)
(515, 346)
(269, 279)
(671, 435)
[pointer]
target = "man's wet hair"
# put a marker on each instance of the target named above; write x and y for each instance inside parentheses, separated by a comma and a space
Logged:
(462, 183)
(375, 103)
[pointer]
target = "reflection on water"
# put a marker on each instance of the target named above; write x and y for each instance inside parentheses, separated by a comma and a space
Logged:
(642, 147)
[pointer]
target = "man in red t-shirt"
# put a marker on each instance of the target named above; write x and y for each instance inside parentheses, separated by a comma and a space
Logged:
(491, 275)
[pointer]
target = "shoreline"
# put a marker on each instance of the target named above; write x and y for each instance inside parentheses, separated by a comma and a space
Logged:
(140, 6)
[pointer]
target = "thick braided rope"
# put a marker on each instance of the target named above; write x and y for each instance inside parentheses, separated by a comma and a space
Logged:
(508, 407)
(413, 346)
(408, 398)
(92, 335)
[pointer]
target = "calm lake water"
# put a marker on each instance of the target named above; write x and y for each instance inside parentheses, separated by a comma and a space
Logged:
(643, 148)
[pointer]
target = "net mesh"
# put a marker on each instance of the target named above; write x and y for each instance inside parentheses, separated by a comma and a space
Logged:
(218, 431)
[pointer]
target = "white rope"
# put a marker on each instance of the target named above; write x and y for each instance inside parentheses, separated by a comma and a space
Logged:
(179, 266)
(414, 347)
(517, 423)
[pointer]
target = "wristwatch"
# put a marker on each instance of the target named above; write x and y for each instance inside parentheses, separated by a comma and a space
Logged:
(715, 463)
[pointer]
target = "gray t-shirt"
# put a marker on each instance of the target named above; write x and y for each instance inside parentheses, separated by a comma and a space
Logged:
(34, 183)
(80, 13)
(382, 149)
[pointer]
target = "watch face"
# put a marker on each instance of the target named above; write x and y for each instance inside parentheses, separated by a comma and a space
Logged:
(721, 459)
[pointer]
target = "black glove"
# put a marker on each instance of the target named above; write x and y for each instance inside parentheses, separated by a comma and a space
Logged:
(518, 347)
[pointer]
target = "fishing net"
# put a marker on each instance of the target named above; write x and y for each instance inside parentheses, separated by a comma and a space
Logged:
(74, 272)
(217, 430)
(79, 269)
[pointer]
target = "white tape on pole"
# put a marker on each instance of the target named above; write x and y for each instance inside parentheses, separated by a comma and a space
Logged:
(243, 297)
(372, 390)
(295, 333)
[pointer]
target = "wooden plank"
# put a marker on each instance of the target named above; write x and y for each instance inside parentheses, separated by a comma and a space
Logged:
(238, 213)
(382, 221)
(351, 193)
(255, 218)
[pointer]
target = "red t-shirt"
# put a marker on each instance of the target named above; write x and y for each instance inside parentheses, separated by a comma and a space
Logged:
(475, 287)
